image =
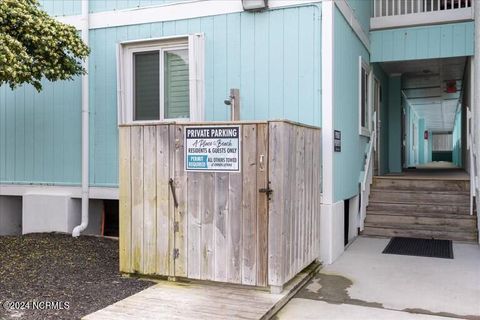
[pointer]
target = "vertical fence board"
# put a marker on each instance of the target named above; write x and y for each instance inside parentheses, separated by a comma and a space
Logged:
(317, 190)
(163, 196)
(194, 223)
(234, 227)
(137, 199)
(220, 218)
(308, 197)
(125, 228)
(172, 210)
(262, 204)
(181, 216)
(290, 198)
(149, 199)
(207, 271)
(276, 208)
(249, 205)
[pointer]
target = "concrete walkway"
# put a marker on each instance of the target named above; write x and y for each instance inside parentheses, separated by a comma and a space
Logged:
(366, 284)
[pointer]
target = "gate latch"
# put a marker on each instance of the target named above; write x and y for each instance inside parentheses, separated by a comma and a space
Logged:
(267, 191)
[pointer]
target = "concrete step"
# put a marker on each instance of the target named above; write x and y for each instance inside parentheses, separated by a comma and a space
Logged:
(424, 214)
(404, 231)
(416, 184)
(380, 195)
(443, 222)
(454, 208)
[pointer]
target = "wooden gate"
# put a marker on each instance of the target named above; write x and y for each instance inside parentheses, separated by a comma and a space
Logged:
(199, 225)
(218, 225)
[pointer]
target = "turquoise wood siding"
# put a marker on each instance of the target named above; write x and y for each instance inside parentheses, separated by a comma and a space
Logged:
(349, 163)
(457, 140)
(40, 134)
(394, 124)
(74, 7)
(273, 57)
(109, 5)
(382, 77)
(62, 7)
(438, 41)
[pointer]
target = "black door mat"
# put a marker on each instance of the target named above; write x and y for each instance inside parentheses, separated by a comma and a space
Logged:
(420, 247)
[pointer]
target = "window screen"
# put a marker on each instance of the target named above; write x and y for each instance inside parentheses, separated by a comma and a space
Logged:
(177, 98)
(146, 77)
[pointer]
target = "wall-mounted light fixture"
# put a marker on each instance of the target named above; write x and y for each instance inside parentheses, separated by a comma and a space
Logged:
(254, 5)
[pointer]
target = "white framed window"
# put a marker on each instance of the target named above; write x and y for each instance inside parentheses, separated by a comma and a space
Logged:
(161, 79)
(364, 92)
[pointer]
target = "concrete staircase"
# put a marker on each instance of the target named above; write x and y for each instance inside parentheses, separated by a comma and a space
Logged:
(420, 208)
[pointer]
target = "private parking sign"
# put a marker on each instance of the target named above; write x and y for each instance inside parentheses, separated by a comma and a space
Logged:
(212, 149)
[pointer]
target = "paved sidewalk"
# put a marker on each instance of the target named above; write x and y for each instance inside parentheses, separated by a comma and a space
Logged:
(366, 284)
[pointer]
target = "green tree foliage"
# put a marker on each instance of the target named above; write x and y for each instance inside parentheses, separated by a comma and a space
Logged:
(33, 46)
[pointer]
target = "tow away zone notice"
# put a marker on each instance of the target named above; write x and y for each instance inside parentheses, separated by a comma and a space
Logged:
(212, 149)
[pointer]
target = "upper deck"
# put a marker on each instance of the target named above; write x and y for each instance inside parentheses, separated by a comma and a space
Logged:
(403, 13)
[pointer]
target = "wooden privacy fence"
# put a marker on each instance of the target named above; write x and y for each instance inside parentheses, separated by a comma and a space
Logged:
(231, 227)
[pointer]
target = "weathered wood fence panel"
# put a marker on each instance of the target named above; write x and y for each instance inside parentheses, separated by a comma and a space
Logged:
(217, 225)
(213, 233)
(294, 212)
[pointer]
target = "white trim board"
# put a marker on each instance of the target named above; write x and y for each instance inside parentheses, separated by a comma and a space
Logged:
(349, 15)
(73, 191)
(170, 12)
(194, 43)
(327, 100)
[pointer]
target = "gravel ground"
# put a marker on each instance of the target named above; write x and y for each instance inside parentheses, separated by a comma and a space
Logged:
(77, 276)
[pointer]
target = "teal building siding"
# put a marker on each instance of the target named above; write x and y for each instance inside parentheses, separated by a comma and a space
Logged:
(457, 140)
(427, 42)
(40, 134)
(109, 5)
(382, 77)
(350, 161)
(273, 57)
(394, 125)
(74, 7)
(59, 8)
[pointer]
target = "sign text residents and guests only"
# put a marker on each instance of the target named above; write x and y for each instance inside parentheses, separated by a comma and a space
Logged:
(212, 149)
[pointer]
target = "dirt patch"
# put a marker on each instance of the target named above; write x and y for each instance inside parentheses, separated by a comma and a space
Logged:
(70, 277)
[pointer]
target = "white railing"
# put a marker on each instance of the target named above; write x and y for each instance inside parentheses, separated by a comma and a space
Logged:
(367, 174)
(396, 13)
(471, 146)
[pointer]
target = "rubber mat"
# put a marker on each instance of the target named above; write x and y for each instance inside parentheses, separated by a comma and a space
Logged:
(420, 247)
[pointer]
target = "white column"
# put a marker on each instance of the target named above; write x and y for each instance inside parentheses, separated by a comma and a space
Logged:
(476, 98)
(331, 221)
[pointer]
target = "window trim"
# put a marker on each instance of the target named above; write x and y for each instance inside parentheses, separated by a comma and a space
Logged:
(194, 43)
(364, 130)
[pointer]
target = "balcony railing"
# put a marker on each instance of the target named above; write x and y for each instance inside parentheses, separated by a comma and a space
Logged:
(399, 13)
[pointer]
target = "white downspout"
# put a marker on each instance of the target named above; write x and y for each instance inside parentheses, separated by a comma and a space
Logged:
(85, 127)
